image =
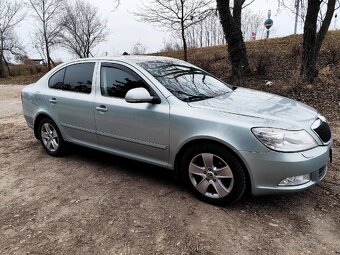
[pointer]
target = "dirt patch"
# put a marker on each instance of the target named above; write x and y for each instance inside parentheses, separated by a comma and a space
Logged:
(94, 203)
(10, 102)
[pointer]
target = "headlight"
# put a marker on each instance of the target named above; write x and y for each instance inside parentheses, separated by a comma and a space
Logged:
(285, 140)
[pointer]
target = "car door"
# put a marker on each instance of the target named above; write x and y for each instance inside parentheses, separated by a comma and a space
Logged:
(136, 130)
(71, 98)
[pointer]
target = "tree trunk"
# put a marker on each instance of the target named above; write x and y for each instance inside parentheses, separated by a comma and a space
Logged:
(7, 66)
(233, 35)
(52, 62)
(185, 47)
(237, 11)
(47, 51)
(2, 68)
(45, 37)
(308, 65)
(325, 26)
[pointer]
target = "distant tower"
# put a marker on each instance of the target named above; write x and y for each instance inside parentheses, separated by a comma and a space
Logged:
(268, 23)
(336, 21)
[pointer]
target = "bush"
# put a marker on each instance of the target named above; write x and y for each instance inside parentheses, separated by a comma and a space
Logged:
(332, 51)
(296, 50)
(261, 60)
(27, 69)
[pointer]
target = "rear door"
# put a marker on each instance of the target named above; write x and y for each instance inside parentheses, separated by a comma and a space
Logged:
(71, 97)
(137, 130)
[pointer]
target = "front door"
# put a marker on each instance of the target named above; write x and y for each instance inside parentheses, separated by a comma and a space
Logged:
(136, 130)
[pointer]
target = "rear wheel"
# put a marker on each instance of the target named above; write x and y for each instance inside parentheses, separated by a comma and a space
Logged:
(214, 174)
(50, 138)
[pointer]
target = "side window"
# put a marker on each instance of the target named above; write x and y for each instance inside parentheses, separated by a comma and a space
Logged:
(78, 78)
(116, 82)
(57, 80)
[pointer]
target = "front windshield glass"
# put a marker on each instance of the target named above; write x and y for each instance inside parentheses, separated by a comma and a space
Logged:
(186, 82)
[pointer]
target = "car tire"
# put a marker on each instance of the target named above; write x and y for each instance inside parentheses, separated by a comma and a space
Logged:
(50, 138)
(213, 174)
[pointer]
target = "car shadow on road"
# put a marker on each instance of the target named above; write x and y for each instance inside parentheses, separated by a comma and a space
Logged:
(121, 165)
(117, 165)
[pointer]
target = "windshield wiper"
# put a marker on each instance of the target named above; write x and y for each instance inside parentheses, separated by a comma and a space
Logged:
(196, 98)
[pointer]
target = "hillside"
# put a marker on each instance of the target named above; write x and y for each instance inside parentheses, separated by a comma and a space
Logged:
(278, 60)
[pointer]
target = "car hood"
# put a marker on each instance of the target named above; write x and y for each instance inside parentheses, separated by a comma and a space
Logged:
(259, 104)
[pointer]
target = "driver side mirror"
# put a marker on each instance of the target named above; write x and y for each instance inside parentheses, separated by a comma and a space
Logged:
(140, 95)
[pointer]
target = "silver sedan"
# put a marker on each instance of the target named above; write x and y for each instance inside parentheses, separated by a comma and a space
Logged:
(218, 138)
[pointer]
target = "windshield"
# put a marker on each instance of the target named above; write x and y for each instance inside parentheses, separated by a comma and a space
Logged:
(186, 82)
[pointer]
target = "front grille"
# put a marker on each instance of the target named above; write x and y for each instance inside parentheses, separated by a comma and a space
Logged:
(324, 132)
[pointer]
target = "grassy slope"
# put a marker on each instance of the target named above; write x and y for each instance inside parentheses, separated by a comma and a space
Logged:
(281, 58)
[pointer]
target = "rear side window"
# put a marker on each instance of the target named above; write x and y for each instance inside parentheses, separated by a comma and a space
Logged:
(57, 80)
(116, 82)
(75, 78)
(78, 78)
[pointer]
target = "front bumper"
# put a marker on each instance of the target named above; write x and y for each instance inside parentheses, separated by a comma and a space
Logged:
(267, 170)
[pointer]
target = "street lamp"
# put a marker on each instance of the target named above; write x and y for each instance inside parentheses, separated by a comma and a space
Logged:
(268, 23)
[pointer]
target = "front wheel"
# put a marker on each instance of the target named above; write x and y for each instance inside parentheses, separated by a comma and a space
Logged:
(51, 138)
(214, 174)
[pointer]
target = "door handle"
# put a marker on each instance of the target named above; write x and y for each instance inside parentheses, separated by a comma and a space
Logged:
(53, 101)
(101, 108)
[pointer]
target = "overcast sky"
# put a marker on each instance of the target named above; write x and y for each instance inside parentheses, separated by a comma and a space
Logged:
(126, 30)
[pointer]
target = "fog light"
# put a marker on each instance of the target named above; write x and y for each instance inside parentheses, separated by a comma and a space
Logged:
(295, 180)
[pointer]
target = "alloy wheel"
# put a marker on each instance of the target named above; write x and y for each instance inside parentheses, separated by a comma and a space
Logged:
(211, 175)
(49, 137)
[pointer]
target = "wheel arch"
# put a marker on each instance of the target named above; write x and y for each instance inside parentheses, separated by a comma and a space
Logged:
(40, 116)
(200, 141)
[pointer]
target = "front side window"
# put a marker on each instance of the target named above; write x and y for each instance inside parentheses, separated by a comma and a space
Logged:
(186, 82)
(116, 82)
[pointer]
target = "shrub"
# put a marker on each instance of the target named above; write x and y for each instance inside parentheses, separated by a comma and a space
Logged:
(296, 50)
(261, 60)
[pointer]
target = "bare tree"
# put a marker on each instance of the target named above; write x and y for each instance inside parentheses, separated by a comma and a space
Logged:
(312, 40)
(82, 28)
(47, 12)
(175, 15)
(39, 45)
(316, 22)
(209, 32)
(230, 17)
(138, 49)
(116, 4)
(10, 16)
(252, 22)
(170, 45)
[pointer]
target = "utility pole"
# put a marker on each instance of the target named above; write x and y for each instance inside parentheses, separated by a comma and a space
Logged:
(297, 7)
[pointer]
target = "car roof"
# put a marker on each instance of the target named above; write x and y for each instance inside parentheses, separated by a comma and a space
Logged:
(132, 59)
